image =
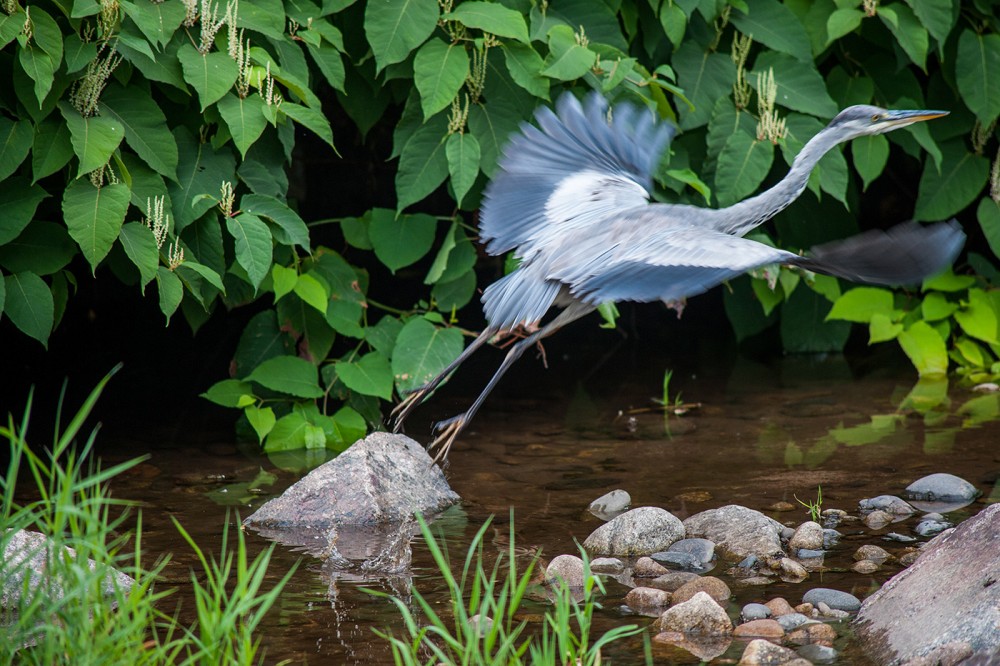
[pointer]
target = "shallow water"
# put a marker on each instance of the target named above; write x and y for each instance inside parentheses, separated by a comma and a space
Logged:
(763, 434)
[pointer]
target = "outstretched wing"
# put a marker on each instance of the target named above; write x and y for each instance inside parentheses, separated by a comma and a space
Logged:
(575, 169)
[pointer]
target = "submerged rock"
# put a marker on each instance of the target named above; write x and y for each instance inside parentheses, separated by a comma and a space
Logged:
(738, 531)
(761, 652)
(948, 595)
(891, 504)
(610, 505)
(945, 488)
(568, 568)
(699, 615)
(640, 531)
(833, 598)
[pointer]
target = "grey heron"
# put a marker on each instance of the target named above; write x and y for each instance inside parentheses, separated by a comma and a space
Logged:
(571, 199)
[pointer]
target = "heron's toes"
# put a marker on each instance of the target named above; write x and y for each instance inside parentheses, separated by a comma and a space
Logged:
(406, 405)
(446, 431)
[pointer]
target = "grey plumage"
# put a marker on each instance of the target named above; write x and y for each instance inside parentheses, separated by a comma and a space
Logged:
(571, 199)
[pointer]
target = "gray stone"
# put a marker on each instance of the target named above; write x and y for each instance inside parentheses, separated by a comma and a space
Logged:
(833, 598)
(611, 504)
(672, 580)
(677, 561)
(646, 598)
(808, 536)
(877, 519)
(710, 585)
(941, 487)
(805, 554)
(640, 531)
(380, 480)
(645, 567)
(871, 552)
(790, 621)
(891, 504)
(738, 531)
(698, 615)
(702, 549)
(831, 538)
(931, 527)
(818, 654)
(607, 565)
(761, 652)
(949, 594)
(791, 570)
(568, 568)
(901, 538)
(755, 612)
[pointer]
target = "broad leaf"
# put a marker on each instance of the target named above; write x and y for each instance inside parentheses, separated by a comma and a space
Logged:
(261, 419)
(491, 17)
(462, 151)
(140, 246)
(988, 214)
(439, 72)
(370, 375)
(774, 25)
(212, 75)
(28, 303)
(423, 165)
(145, 126)
(288, 374)
(977, 67)
(743, 164)
(18, 201)
(40, 67)
(52, 149)
(422, 351)
(245, 119)
(861, 303)
(312, 292)
(800, 85)
(842, 22)
(42, 248)
(289, 228)
(283, 280)
(492, 127)
(228, 392)
(978, 317)
(200, 171)
(803, 325)
(94, 139)
(157, 21)
(310, 118)
(171, 291)
(870, 155)
(15, 142)
(925, 348)
(401, 241)
(706, 78)
(94, 216)
(253, 245)
(525, 67)
(395, 27)
(961, 178)
(935, 15)
(567, 60)
(910, 35)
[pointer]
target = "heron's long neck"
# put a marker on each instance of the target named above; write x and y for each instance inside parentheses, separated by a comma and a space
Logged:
(740, 218)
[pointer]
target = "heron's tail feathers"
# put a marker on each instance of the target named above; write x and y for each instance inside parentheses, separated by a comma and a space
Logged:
(904, 254)
(518, 298)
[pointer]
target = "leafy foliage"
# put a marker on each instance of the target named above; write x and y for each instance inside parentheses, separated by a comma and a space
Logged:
(148, 139)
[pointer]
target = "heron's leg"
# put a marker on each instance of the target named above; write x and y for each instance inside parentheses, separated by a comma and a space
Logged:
(419, 394)
(449, 429)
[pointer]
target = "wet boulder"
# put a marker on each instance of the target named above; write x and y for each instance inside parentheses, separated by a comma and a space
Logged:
(611, 504)
(699, 615)
(949, 595)
(738, 531)
(941, 492)
(641, 531)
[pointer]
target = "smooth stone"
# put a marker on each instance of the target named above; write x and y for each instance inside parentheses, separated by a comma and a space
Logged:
(832, 598)
(906, 559)
(807, 536)
(762, 652)
(763, 628)
(568, 568)
(704, 648)
(793, 620)
(607, 565)
(805, 609)
(833, 613)
(804, 554)
(677, 561)
(877, 519)
(611, 504)
(791, 570)
(749, 562)
(738, 531)
(698, 615)
(779, 606)
(949, 594)
(941, 487)
(646, 598)
(714, 587)
(818, 654)
(755, 611)
(702, 549)
(833, 517)
(866, 567)
(813, 633)
(891, 504)
(645, 567)
(871, 552)
(671, 580)
(781, 507)
(831, 538)
(901, 538)
(641, 531)
(931, 527)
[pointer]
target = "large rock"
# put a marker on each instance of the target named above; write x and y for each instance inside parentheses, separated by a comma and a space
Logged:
(641, 531)
(949, 595)
(380, 480)
(738, 531)
(699, 615)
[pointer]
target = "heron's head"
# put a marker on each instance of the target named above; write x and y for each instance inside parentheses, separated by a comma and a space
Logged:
(863, 119)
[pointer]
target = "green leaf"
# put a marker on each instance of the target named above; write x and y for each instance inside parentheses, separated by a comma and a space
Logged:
(567, 60)
(978, 317)
(462, 151)
(288, 374)
(350, 425)
(212, 75)
(330, 63)
(804, 328)
(707, 78)
(882, 329)
(94, 139)
(439, 72)
(423, 164)
(40, 68)
(870, 155)
(842, 22)
(264, 16)
(743, 164)
(399, 242)
(228, 392)
(774, 25)
(313, 292)
(988, 214)
(288, 433)
(145, 126)
(977, 73)
(800, 85)
(94, 217)
(492, 127)
(18, 200)
(370, 375)
(289, 228)
(200, 171)
(936, 306)
(245, 119)
(769, 298)
(910, 35)
(491, 17)
(42, 248)
(525, 67)
(140, 246)
(253, 245)
(691, 179)
(422, 351)
(673, 20)
(15, 142)
(157, 21)
(203, 272)
(395, 27)
(171, 291)
(11, 25)
(925, 348)
(456, 293)
(948, 281)
(935, 15)
(861, 303)
(52, 149)
(283, 280)
(78, 53)
(28, 303)
(961, 178)
(310, 118)
(261, 420)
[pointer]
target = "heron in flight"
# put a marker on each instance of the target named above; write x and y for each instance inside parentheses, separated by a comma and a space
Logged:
(571, 199)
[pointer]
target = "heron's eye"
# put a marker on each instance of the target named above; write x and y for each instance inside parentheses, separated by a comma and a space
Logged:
(876, 117)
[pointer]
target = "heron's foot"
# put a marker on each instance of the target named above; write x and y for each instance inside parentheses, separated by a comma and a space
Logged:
(446, 432)
(407, 405)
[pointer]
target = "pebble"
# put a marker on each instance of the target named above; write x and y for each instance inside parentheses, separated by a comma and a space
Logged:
(645, 567)
(831, 538)
(813, 632)
(610, 505)
(607, 565)
(752, 612)
(941, 487)
(779, 606)
(641, 531)
(931, 527)
(566, 567)
(781, 506)
(710, 585)
(791, 621)
(750, 563)
(818, 654)
(759, 629)
(871, 552)
(647, 598)
(762, 652)
(481, 623)
(677, 561)
(906, 559)
(877, 519)
(891, 504)
(792, 571)
(832, 598)
(826, 611)
(698, 615)
(702, 549)
(806, 609)
(806, 554)
(901, 538)
(808, 535)
(865, 567)
(671, 580)
(833, 517)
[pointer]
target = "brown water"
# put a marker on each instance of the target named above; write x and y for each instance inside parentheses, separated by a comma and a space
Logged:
(763, 434)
